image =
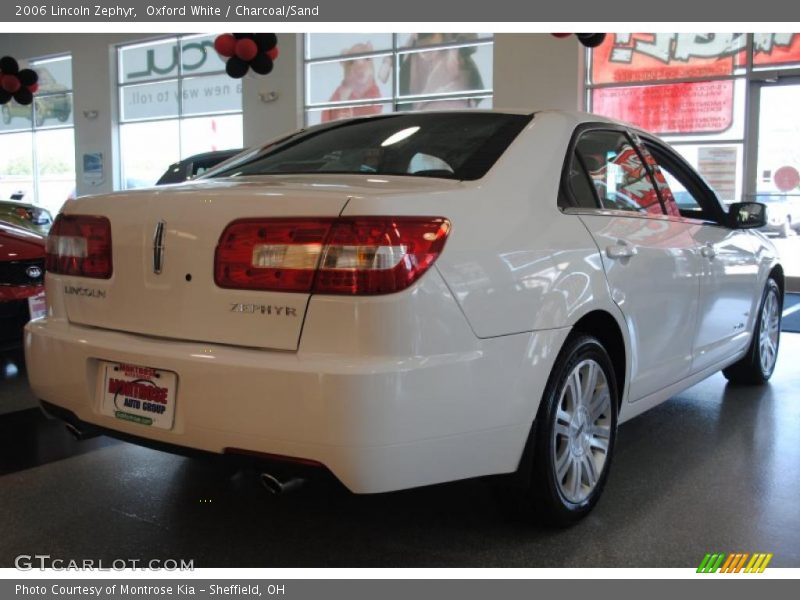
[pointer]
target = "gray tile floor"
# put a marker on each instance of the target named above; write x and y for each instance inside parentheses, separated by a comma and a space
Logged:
(716, 468)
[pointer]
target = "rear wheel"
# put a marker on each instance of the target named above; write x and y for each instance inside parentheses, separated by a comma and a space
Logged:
(757, 366)
(575, 432)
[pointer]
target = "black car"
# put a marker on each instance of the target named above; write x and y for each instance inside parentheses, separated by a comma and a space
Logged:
(196, 165)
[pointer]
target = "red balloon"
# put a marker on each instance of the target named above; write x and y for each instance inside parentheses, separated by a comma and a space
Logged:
(246, 49)
(225, 44)
(34, 87)
(274, 53)
(561, 35)
(10, 83)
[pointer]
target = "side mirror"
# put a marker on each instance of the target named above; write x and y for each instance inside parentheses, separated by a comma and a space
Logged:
(747, 215)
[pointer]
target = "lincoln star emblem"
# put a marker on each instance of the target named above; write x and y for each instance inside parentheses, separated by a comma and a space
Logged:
(158, 248)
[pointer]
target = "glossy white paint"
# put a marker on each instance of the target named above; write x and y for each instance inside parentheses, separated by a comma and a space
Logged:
(439, 382)
(660, 328)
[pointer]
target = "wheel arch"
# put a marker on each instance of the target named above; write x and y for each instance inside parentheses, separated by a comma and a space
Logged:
(602, 325)
(776, 273)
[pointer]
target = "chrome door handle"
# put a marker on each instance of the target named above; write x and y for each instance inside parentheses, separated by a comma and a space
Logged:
(621, 250)
(708, 251)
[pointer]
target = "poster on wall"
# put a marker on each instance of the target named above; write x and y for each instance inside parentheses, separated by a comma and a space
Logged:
(93, 168)
(717, 164)
(775, 49)
(698, 107)
(627, 57)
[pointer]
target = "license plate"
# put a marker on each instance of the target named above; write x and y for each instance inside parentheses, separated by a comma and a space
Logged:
(139, 394)
(37, 306)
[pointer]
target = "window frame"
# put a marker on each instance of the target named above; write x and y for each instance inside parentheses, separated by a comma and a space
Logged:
(566, 195)
(753, 75)
(178, 78)
(396, 52)
(34, 129)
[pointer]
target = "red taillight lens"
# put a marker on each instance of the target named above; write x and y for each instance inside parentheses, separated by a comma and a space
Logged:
(80, 245)
(361, 255)
(274, 254)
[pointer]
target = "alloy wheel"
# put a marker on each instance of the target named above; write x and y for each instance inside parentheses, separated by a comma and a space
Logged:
(582, 430)
(769, 332)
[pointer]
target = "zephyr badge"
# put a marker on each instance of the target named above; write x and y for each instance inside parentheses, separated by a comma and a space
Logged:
(158, 248)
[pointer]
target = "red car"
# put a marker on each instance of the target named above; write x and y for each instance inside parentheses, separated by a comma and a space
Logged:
(21, 282)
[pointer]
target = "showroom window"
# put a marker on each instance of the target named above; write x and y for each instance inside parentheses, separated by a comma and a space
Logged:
(175, 100)
(37, 142)
(360, 74)
(726, 101)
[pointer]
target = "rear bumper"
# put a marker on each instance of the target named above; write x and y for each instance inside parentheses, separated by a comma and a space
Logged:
(378, 424)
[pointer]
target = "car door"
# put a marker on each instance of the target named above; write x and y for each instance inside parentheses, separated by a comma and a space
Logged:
(728, 263)
(648, 256)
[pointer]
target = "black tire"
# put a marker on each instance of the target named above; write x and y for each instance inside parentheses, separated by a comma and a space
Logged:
(543, 498)
(749, 370)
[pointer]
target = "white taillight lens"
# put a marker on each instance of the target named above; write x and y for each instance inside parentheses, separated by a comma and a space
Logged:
(80, 245)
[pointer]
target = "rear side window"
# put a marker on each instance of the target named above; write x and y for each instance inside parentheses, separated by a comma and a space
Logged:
(616, 172)
(455, 145)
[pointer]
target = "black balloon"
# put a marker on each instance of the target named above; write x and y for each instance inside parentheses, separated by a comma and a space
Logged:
(241, 36)
(9, 65)
(591, 40)
(4, 96)
(23, 96)
(27, 77)
(261, 64)
(236, 67)
(266, 41)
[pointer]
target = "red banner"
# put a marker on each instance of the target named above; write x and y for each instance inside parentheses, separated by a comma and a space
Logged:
(701, 107)
(626, 57)
(776, 48)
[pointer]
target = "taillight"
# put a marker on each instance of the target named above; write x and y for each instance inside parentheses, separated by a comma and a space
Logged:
(80, 245)
(357, 256)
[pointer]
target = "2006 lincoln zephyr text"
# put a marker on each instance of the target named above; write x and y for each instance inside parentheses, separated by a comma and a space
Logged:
(409, 299)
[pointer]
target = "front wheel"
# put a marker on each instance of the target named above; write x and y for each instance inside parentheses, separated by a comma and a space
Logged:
(757, 366)
(575, 432)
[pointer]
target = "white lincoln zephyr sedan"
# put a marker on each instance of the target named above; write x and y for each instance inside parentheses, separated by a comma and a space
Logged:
(409, 299)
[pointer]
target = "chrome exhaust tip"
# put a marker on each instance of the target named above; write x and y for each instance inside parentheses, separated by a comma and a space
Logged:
(79, 434)
(276, 487)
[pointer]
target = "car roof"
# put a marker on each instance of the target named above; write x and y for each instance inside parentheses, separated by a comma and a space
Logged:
(212, 154)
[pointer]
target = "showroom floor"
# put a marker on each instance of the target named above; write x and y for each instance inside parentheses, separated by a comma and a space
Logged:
(714, 469)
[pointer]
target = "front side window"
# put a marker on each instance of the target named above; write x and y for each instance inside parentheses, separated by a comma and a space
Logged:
(616, 172)
(461, 146)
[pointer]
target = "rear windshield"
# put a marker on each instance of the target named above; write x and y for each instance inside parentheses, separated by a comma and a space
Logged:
(460, 146)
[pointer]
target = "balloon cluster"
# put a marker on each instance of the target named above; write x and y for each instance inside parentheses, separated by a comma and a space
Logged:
(245, 51)
(590, 40)
(15, 83)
